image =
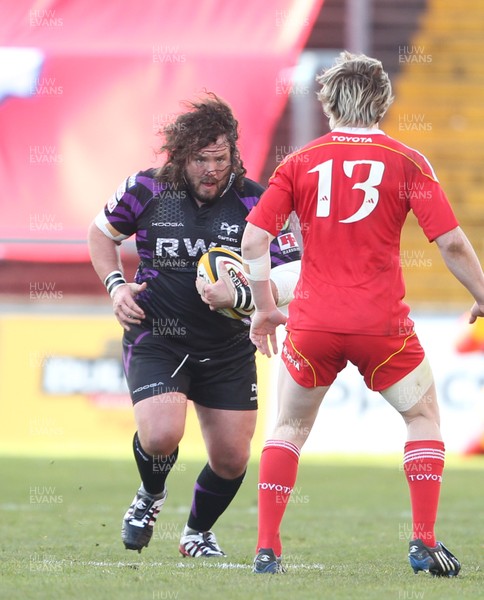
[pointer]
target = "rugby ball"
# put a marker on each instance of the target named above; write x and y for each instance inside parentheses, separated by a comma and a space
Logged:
(209, 270)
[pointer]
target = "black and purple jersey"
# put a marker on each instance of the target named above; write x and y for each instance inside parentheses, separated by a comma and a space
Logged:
(172, 232)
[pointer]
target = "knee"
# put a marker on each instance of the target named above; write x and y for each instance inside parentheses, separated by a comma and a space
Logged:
(157, 443)
(426, 409)
(292, 430)
(230, 464)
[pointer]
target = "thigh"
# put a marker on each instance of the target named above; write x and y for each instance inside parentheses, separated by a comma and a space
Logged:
(158, 379)
(423, 418)
(297, 408)
(160, 422)
(227, 435)
(224, 392)
(226, 429)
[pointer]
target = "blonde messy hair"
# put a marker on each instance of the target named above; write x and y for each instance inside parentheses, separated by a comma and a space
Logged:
(355, 92)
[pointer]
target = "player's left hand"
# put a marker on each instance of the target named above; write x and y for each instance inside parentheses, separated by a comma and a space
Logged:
(477, 310)
(125, 308)
(263, 330)
(220, 294)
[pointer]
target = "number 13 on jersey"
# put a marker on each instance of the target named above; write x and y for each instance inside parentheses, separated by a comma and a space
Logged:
(369, 187)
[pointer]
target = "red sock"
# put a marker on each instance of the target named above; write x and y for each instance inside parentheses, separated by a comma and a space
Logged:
(423, 462)
(277, 476)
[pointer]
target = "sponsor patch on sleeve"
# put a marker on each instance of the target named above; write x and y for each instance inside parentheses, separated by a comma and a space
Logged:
(287, 242)
(112, 202)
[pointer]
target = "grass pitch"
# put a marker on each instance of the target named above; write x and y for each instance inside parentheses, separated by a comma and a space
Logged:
(345, 535)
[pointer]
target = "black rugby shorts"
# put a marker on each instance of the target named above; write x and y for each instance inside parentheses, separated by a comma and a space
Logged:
(225, 380)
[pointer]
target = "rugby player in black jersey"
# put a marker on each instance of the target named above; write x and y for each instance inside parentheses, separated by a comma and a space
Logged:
(176, 346)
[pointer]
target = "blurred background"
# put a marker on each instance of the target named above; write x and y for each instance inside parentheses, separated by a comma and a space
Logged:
(84, 89)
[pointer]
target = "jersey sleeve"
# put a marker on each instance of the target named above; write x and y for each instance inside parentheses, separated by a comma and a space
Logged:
(276, 203)
(429, 202)
(123, 209)
(272, 213)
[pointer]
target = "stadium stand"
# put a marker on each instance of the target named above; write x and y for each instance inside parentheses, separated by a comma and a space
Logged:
(439, 110)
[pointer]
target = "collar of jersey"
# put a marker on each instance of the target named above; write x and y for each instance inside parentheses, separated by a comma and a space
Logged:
(359, 130)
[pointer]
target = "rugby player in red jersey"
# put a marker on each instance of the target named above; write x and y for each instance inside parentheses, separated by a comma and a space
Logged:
(352, 190)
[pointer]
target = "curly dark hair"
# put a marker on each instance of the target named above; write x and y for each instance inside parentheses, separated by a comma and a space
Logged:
(191, 131)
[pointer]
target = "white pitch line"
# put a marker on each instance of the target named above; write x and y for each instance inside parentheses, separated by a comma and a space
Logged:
(186, 565)
(14, 507)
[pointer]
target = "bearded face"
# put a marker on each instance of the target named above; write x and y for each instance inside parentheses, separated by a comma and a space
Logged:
(208, 171)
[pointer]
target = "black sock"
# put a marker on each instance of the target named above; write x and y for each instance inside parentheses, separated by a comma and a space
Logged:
(211, 497)
(153, 469)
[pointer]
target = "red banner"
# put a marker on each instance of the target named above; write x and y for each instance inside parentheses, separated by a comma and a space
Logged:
(79, 111)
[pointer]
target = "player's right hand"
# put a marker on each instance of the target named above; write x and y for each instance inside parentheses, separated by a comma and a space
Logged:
(263, 327)
(220, 294)
(124, 305)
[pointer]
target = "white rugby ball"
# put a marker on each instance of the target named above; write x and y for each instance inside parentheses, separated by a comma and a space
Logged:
(209, 270)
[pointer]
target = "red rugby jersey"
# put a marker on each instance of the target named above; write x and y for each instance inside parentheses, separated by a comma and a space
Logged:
(352, 190)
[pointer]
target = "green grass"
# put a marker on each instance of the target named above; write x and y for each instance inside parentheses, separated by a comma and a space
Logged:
(345, 535)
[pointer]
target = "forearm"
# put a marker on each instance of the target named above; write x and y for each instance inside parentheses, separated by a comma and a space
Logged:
(462, 262)
(257, 265)
(104, 252)
(274, 292)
